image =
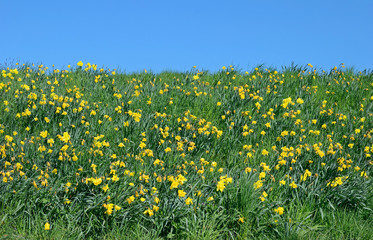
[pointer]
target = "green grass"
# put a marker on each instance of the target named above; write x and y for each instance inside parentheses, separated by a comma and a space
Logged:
(261, 154)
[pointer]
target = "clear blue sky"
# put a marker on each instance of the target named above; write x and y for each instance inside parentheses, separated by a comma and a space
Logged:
(176, 35)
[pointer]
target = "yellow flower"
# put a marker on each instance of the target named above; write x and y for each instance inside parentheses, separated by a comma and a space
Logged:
(115, 178)
(8, 138)
(64, 148)
(284, 133)
(286, 102)
(300, 101)
(279, 210)
(47, 226)
(220, 186)
(293, 185)
(117, 207)
(264, 152)
(50, 142)
(155, 208)
(174, 184)
(188, 201)
(229, 180)
(105, 188)
(80, 64)
(149, 212)
(258, 184)
(142, 145)
(181, 193)
(65, 137)
(241, 219)
(109, 208)
(130, 199)
(181, 179)
(97, 181)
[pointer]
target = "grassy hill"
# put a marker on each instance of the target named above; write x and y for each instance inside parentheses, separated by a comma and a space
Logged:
(87, 152)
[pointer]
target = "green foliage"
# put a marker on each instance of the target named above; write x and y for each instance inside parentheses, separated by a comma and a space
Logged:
(89, 153)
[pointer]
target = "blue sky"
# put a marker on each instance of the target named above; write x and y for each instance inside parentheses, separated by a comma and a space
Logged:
(176, 35)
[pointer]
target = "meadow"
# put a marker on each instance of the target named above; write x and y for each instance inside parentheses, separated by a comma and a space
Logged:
(93, 153)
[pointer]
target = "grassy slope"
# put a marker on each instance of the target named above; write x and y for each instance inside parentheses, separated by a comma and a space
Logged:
(58, 188)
